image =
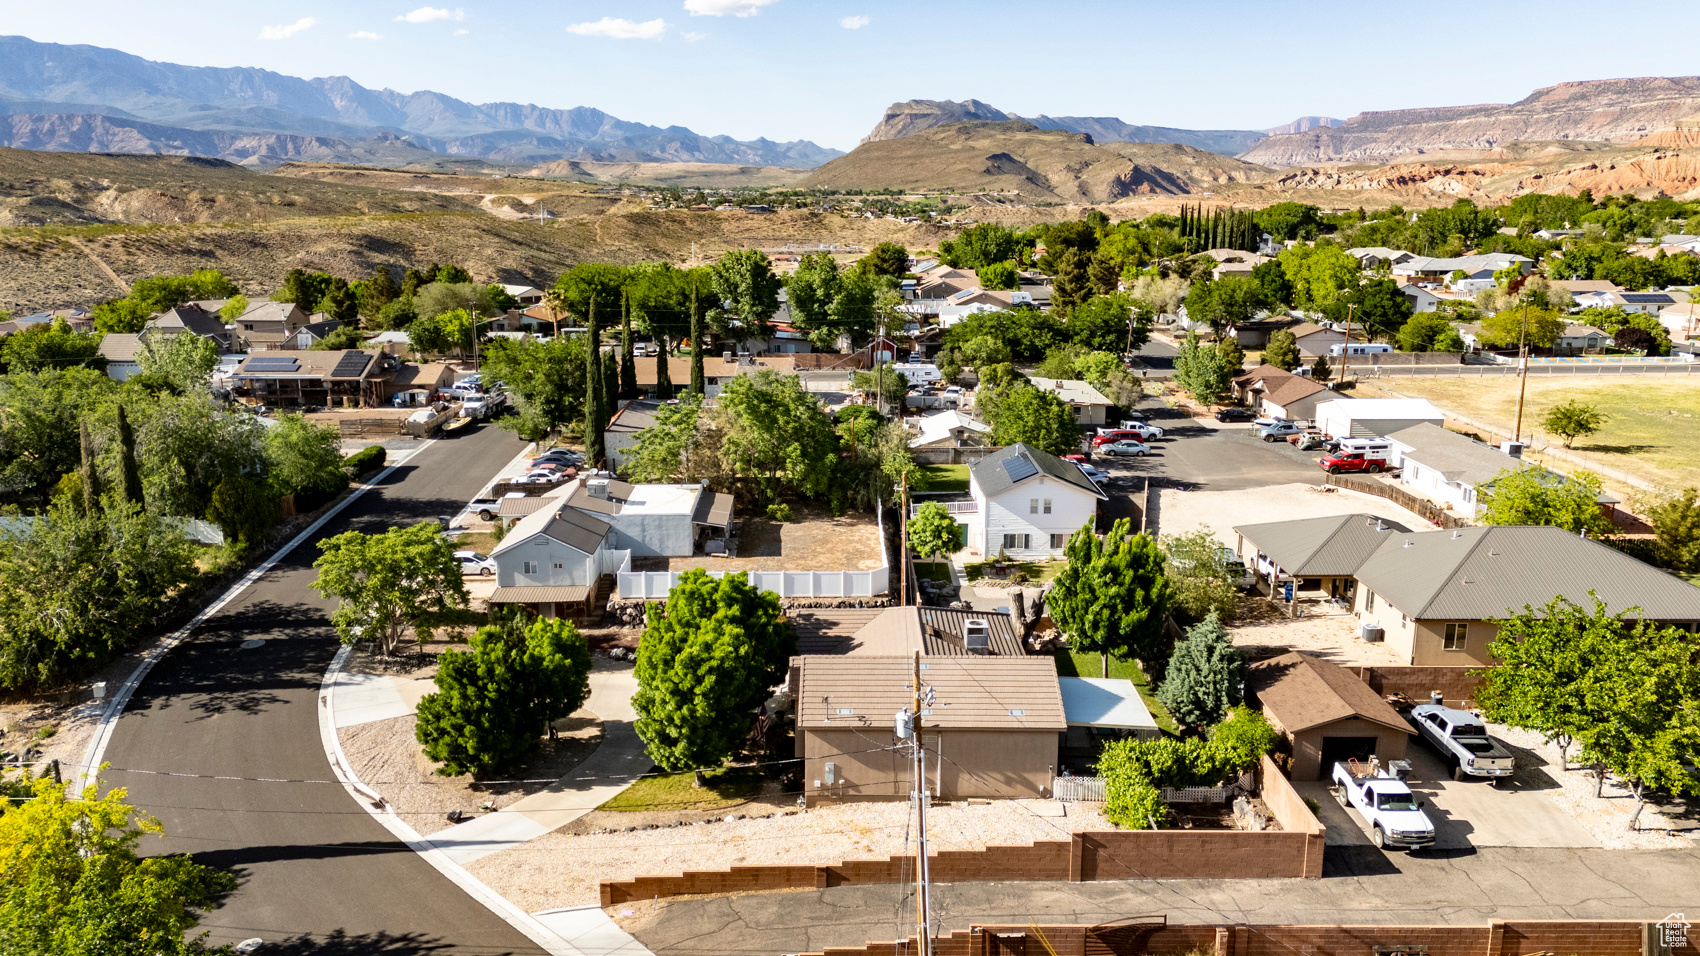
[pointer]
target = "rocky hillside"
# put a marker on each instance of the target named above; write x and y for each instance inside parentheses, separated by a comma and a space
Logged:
(1304, 124)
(914, 116)
(1017, 157)
(1616, 111)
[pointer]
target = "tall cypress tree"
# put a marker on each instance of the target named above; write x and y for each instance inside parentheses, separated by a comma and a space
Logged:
(595, 417)
(129, 473)
(628, 361)
(87, 471)
(663, 379)
(698, 388)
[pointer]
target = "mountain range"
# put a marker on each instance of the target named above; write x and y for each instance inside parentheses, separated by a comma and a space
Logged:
(913, 116)
(87, 97)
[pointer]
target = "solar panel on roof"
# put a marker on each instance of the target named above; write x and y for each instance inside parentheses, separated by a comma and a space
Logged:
(351, 364)
(1019, 468)
(272, 365)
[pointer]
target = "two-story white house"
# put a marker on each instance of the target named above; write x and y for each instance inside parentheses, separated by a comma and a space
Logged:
(1028, 502)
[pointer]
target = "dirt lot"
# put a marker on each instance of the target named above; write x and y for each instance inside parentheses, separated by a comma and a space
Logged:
(1262, 630)
(1183, 511)
(813, 540)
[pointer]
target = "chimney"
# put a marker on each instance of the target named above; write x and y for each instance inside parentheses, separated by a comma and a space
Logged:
(977, 636)
(598, 488)
(1512, 449)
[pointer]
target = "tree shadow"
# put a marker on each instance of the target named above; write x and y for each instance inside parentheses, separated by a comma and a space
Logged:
(237, 860)
(340, 942)
(1617, 449)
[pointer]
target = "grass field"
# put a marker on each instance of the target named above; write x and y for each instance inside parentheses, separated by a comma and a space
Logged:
(946, 477)
(1071, 663)
(1652, 426)
(677, 791)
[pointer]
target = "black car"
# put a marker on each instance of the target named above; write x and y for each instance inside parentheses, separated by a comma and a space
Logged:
(1235, 414)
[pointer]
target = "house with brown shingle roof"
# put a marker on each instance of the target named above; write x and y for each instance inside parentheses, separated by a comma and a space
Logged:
(1326, 713)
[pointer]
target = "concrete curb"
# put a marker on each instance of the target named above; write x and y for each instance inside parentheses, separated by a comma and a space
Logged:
(90, 773)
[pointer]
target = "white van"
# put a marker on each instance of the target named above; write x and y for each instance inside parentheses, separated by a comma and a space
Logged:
(1360, 348)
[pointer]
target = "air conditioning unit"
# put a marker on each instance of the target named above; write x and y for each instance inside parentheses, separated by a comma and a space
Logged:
(598, 488)
(1372, 633)
(977, 635)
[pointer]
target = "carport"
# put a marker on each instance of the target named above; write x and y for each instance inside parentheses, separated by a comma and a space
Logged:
(1320, 555)
(1326, 713)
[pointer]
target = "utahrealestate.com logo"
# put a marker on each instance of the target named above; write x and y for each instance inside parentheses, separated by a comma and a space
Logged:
(1673, 931)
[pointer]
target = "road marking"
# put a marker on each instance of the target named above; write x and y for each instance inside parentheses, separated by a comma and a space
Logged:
(92, 757)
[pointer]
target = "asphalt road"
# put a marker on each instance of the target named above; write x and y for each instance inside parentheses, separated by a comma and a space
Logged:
(1212, 456)
(317, 873)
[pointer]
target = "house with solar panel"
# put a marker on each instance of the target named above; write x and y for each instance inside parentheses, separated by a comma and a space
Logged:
(348, 378)
(1027, 502)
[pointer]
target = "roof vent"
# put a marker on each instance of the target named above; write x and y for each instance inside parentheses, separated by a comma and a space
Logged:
(977, 635)
(725, 356)
(1409, 543)
(1456, 534)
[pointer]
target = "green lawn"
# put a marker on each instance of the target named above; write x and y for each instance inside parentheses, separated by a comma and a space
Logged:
(946, 477)
(1072, 663)
(676, 791)
(1035, 572)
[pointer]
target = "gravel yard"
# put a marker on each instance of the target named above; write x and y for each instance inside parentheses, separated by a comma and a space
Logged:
(563, 869)
(1179, 512)
(1262, 630)
(1659, 827)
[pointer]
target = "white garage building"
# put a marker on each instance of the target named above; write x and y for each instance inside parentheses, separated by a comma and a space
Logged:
(1374, 417)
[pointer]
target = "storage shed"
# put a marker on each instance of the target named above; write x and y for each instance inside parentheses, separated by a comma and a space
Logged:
(1374, 417)
(1326, 713)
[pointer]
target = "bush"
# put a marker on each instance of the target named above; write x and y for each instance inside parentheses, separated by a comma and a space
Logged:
(365, 461)
(1135, 770)
(779, 512)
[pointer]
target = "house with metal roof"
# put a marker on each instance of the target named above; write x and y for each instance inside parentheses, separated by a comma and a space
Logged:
(1326, 712)
(673, 521)
(950, 429)
(992, 728)
(1434, 596)
(634, 416)
(1320, 555)
(552, 561)
(1091, 408)
(1439, 268)
(1027, 502)
(1454, 470)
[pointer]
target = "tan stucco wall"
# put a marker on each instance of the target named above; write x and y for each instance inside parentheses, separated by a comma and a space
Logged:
(960, 763)
(1307, 746)
(1422, 643)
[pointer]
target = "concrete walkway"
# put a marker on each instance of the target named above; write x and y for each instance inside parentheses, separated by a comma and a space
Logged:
(617, 761)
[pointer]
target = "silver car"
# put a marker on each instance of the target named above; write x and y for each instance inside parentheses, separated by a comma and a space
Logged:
(1124, 448)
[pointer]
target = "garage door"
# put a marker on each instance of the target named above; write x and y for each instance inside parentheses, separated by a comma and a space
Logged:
(1340, 749)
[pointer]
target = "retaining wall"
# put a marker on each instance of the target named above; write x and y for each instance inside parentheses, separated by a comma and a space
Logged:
(1456, 684)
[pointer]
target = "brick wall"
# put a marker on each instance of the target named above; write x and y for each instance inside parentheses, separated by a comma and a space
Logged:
(1498, 938)
(1455, 683)
(1290, 812)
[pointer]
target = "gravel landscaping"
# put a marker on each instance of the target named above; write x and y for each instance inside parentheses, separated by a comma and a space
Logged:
(566, 869)
(1607, 817)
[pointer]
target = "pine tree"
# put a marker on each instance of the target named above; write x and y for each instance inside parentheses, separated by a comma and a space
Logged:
(698, 387)
(663, 378)
(1321, 371)
(628, 362)
(130, 474)
(595, 414)
(1205, 675)
(87, 471)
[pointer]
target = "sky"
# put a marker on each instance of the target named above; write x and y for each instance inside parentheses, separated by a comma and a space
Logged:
(825, 71)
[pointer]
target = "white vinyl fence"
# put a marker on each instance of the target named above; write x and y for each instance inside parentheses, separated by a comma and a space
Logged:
(654, 585)
(1076, 789)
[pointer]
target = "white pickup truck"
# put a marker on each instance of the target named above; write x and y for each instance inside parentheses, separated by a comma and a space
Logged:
(1394, 814)
(1462, 741)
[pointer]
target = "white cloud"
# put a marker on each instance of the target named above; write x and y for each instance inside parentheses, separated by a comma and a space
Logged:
(462, 32)
(365, 35)
(428, 14)
(286, 30)
(853, 23)
(620, 29)
(693, 37)
(720, 8)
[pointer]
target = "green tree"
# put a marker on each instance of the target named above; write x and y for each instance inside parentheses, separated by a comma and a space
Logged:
(628, 358)
(1422, 331)
(1034, 417)
(1205, 675)
(547, 381)
(242, 510)
(375, 293)
(1448, 341)
(129, 470)
(439, 298)
(339, 340)
(389, 582)
(777, 433)
(495, 701)
(699, 385)
(1289, 220)
(1071, 282)
(88, 473)
(1109, 323)
(302, 288)
(1320, 370)
(303, 458)
(398, 315)
(985, 350)
(933, 531)
(1646, 730)
(1282, 350)
(1113, 595)
(999, 275)
(1546, 661)
(747, 290)
(981, 245)
(1503, 328)
(828, 302)
(340, 303)
(889, 385)
(233, 309)
(1201, 370)
(187, 445)
(663, 449)
(1533, 495)
(886, 259)
(184, 360)
(50, 345)
(1223, 303)
(704, 664)
(1378, 307)
(1203, 585)
(595, 401)
(39, 412)
(1319, 274)
(1573, 419)
(76, 886)
(125, 315)
(427, 337)
(1232, 356)
(1675, 518)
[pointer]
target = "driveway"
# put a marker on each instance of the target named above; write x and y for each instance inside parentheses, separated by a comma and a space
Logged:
(1209, 455)
(315, 868)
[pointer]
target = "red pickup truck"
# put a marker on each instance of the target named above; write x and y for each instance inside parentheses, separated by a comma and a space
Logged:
(1350, 461)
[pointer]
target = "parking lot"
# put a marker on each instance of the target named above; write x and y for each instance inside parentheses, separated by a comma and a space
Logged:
(1210, 455)
(1466, 815)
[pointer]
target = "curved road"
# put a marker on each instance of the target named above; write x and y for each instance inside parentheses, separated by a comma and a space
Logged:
(317, 873)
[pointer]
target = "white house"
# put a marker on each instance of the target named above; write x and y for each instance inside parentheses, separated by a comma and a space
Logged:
(1028, 502)
(1453, 470)
(1422, 300)
(1682, 321)
(1645, 303)
(525, 295)
(1439, 268)
(1478, 281)
(1580, 338)
(1091, 408)
(1373, 417)
(950, 429)
(120, 350)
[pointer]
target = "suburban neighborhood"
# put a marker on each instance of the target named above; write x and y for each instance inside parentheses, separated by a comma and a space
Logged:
(1193, 572)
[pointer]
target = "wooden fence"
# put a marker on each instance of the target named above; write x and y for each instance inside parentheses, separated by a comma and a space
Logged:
(1424, 508)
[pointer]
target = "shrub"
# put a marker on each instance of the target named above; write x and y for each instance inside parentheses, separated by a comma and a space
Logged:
(1135, 770)
(779, 512)
(365, 461)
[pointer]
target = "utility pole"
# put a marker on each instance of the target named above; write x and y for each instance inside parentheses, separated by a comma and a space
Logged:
(923, 904)
(1346, 349)
(1522, 369)
(902, 541)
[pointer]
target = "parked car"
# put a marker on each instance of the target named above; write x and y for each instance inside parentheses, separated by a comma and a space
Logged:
(1098, 477)
(471, 562)
(1394, 814)
(1235, 414)
(1145, 431)
(1313, 440)
(1342, 460)
(1462, 740)
(1107, 435)
(485, 508)
(1270, 433)
(1119, 449)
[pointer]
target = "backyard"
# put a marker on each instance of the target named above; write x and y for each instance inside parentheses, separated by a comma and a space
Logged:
(946, 478)
(1073, 663)
(1650, 432)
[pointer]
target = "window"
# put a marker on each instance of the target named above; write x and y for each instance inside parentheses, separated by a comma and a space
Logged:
(530, 567)
(557, 567)
(1369, 600)
(1015, 542)
(1457, 635)
(1032, 506)
(1047, 506)
(1059, 541)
